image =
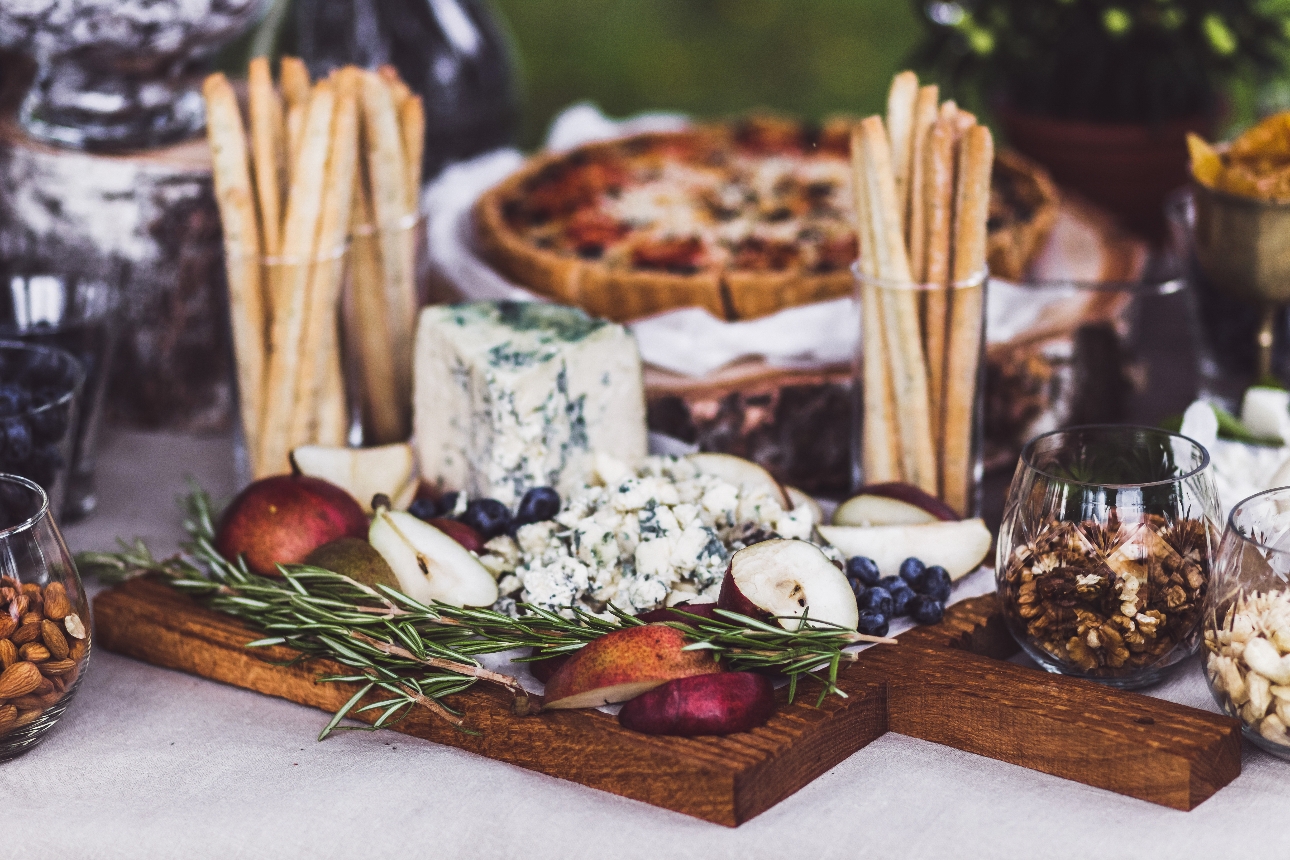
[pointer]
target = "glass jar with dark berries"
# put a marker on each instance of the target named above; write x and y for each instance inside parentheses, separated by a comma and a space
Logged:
(40, 390)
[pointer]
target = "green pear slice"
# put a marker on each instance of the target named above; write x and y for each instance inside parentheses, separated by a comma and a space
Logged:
(364, 472)
(959, 547)
(870, 510)
(791, 579)
(428, 564)
(745, 474)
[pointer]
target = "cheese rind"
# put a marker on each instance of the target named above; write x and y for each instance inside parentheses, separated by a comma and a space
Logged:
(515, 395)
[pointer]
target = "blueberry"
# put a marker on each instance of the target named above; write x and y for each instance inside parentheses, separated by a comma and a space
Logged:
(873, 623)
(17, 440)
(538, 505)
(901, 597)
(423, 508)
(911, 570)
(863, 570)
(925, 610)
(14, 399)
(876, 599)
(889, 582)
(447, 504)
(936, 583)
(489, 517)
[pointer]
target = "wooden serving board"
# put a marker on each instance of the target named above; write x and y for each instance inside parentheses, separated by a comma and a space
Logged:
(948, 684)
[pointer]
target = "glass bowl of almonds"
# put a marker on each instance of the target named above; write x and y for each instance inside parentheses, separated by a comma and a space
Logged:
(1247, 623)
(1105, 551)
(44, 619)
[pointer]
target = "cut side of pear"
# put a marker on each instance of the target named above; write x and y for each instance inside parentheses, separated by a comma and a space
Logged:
(364, 472)
(959, 547)
(428, 564)
(790, 579)
(867, 510)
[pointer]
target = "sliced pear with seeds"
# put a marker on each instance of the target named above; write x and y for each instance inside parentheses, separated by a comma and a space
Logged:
(364, 472)
(428, 564)
(789, 579)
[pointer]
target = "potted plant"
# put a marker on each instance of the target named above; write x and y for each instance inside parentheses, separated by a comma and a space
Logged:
(1103, 92)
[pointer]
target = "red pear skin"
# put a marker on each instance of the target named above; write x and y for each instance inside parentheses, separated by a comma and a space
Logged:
(703, 705)
(915, 496)
(732, 599)
(673, 613)
(281, 519)
(546, 667)
(460, 532)
(633, 657)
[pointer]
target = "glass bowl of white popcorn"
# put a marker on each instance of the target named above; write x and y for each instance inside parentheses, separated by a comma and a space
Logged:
(1247, 623)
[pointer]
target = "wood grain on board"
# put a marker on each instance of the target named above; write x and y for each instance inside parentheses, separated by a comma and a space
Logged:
(931, 686)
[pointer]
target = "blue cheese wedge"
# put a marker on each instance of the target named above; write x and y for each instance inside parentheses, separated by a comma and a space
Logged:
(515, 395)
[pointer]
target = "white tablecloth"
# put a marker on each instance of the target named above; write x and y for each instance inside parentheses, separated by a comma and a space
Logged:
(153, 763)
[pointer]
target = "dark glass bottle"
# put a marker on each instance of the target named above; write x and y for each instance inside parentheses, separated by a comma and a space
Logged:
(454, 53)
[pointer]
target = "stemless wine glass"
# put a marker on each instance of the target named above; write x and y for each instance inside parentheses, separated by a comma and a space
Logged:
(44, 619)
(1247, 620)
(1104, 555)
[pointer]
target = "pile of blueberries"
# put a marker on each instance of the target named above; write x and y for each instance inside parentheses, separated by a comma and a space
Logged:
(35, 413)
(489, 517)
(919, 592)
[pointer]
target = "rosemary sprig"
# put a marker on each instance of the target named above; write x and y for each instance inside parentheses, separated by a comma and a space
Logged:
(414, 654)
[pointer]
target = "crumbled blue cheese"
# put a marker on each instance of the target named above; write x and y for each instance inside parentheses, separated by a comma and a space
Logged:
(513, 395)
(639, 539)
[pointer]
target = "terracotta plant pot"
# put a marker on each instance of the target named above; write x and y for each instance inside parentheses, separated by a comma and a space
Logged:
(1127, 168)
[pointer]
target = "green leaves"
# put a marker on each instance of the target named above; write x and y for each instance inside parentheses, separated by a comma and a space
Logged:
(411, 654)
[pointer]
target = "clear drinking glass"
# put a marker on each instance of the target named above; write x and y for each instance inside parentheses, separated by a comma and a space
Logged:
(76, 313)
(1105, 551)
(44, 619)
(918, 386)
(40, 392)
(1247, 620)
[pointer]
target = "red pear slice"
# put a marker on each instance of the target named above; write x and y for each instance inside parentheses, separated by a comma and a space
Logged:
(788, 579)
(623, 664)
(702, 705)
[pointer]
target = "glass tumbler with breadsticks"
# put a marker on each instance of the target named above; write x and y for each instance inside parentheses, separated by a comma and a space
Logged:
(922, 189)
(297, 184)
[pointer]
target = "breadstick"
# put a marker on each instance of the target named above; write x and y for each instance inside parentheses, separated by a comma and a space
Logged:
(901, 99)
(938, 208)
(879, 452)
(971, 211)
(387, 177)
(295, 93)
(915, 212)
(269, 150)
(899, 312)
(412, 125)
(321, 352)
(236, 199)
(366, 331)
(290, 288)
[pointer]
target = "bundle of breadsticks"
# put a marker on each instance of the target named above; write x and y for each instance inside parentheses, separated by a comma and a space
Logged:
(326, 161)
(922, 185)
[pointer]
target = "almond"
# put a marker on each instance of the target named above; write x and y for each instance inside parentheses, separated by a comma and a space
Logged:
(19, 680)
(54, 639)
(30, 589)
(45, 686)
(31, 618)
(74, 625)
(78, 650)
(20, 606)
(34, 652)
(25, 717)
(8, 716)
(29, 702)
(7, 626)
(54, 668)
(24, 634)
(8, 654)
(57, 604)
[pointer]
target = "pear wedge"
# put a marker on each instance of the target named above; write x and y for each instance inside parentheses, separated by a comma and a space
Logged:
(429, 564)
(364, 472)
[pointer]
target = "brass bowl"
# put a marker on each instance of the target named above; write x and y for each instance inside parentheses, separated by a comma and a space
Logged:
(1243, 245)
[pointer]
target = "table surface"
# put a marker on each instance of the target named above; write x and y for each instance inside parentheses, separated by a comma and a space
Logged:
(153, 763)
